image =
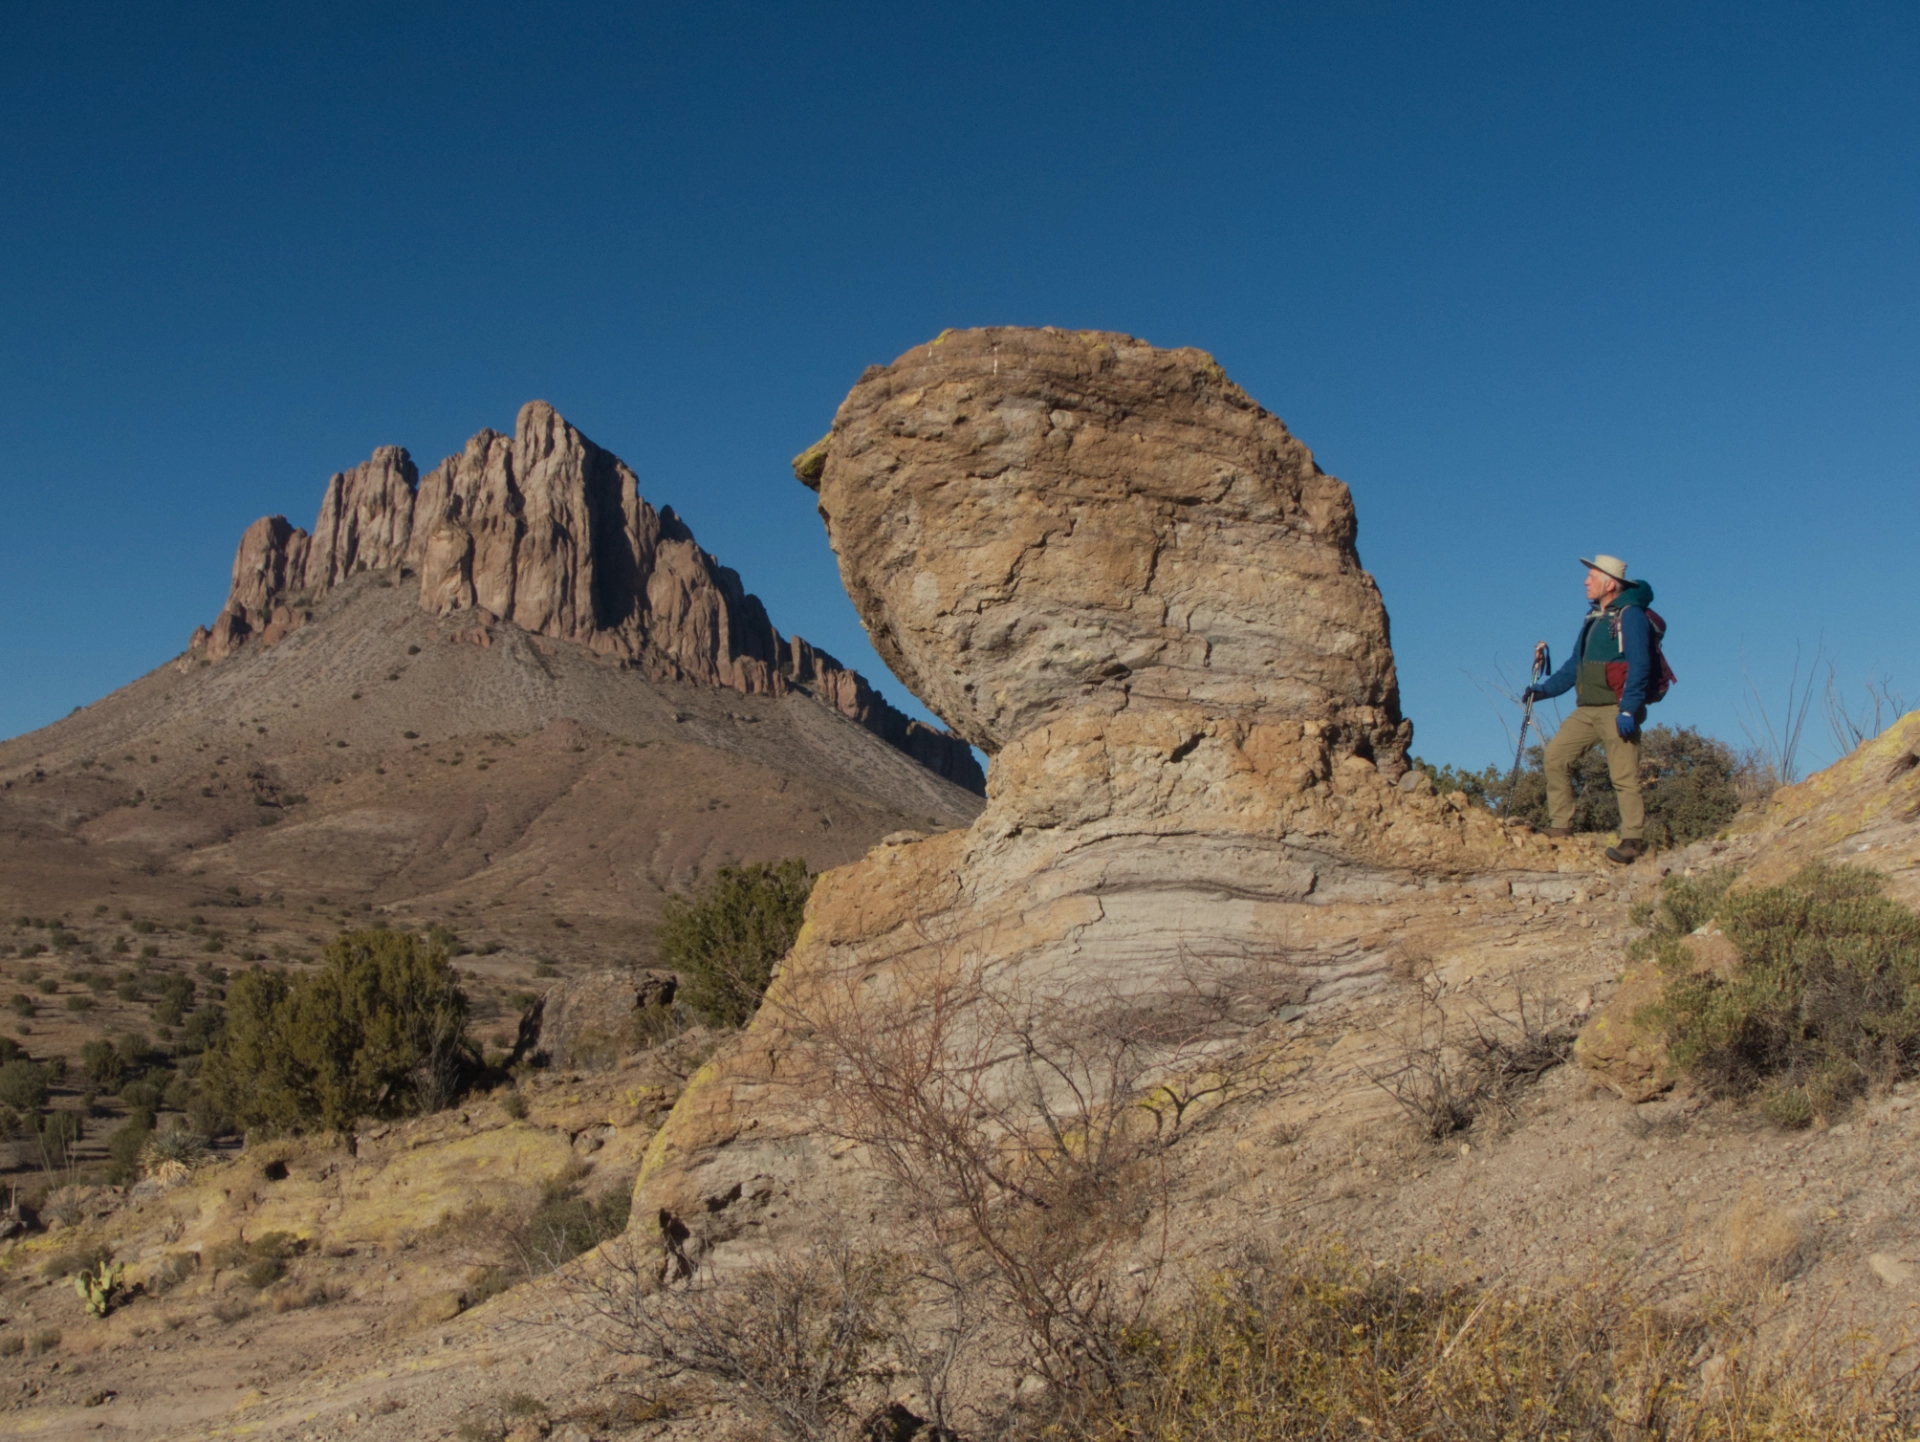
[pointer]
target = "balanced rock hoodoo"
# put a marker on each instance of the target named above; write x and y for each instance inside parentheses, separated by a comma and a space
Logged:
(1105, 565)
(546, 531)
(1035, 525)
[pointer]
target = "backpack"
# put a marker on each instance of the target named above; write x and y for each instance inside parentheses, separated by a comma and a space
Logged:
(1660, 673)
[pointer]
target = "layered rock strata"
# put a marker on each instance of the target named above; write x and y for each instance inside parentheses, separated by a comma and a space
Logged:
(1107, 566)
(545, 531)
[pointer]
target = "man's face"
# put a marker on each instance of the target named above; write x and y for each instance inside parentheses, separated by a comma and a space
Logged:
(1600, 586)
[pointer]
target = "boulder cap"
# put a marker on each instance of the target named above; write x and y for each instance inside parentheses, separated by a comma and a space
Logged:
(1607, 566)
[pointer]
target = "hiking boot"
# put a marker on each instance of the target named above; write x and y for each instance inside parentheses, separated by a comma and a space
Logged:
(1558, 833)
(1627, 852)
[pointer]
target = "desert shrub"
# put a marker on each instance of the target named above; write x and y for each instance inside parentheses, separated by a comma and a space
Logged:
(1453, 1071)
(1024, 1131)
(200, 1030)
(102, 1064)
(148, 1095)
(1690, 783)
(725, 942)
(23, 1085)
(170, 1271)
(1325, 1347)
(21, 1004)
(262, 1261)
(124, 1148)
(378, 1030)
(1684, 904)
(1823, 1003)
(793, 1342)
(566, 1224)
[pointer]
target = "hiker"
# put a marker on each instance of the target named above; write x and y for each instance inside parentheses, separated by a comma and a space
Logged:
(1609, 672)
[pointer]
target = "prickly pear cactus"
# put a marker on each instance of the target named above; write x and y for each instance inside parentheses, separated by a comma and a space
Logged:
(99, 1287)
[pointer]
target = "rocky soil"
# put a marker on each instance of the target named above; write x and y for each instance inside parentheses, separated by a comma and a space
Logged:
(385, 1240)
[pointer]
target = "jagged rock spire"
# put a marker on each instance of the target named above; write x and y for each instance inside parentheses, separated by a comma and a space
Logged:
(548, 532)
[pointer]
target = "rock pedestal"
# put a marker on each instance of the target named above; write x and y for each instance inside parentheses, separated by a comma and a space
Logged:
(1107, 566)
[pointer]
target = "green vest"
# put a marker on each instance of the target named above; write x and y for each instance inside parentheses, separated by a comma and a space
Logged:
(1600, 645)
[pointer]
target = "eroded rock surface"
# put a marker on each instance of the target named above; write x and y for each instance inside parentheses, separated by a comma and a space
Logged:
(1036, 522)
(546, 531)
(1109, 567)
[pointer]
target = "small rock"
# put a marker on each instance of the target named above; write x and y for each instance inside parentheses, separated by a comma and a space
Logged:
(1630, 1061)
(1890, 1269)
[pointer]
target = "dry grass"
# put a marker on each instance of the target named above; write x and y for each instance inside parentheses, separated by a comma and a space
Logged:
(1329, 1348)
(1765, 1244)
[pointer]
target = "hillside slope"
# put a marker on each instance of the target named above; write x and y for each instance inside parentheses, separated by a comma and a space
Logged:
(437, 769)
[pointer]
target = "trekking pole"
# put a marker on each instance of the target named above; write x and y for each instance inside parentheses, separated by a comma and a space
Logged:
(1542, 664)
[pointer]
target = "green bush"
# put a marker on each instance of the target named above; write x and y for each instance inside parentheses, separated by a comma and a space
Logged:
(1688, 781)
(23, 1085)
(378, 1030)
(103, 1065)
(724, 943)
(200, 1030)
(176, 999)
(124, 1148)
(1823, 1003)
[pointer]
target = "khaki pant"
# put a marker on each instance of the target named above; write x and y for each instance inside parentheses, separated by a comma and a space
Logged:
(1579, 733)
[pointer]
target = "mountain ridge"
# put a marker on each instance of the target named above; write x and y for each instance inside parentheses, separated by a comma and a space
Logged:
(548, 532)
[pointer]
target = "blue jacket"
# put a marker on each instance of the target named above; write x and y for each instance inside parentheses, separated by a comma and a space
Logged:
(1621, 634)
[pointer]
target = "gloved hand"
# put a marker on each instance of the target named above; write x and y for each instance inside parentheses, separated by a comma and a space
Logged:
(1532, 693)
(1628, 728)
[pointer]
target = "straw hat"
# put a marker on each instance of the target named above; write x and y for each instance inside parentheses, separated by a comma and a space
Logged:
(1607, 566)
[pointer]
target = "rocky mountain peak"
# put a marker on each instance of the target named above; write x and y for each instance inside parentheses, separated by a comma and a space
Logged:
(545, 531)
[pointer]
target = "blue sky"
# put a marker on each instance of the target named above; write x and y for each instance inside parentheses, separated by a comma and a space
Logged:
(1532, 279)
